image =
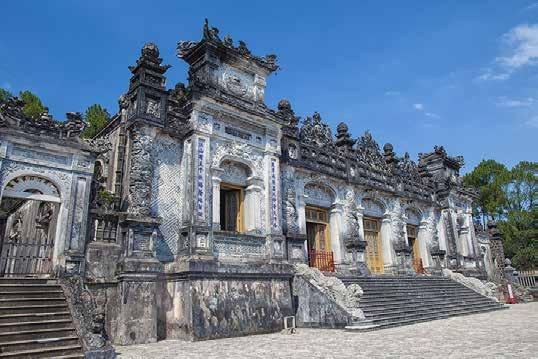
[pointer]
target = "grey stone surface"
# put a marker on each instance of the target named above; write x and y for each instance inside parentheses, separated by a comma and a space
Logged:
(509, 333)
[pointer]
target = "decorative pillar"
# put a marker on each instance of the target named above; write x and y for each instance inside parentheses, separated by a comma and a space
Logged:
(335, 223)
(424, 237)
(215, 181)
(355, 243)
(386, 244)
(139, 269)
(301, 212)
(252, 213)
(497, 251)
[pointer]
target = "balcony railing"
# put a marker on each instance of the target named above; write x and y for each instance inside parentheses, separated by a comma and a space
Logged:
(324, 261)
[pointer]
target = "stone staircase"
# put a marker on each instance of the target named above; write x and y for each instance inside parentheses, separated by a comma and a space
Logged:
(393, 301)
(35, 321)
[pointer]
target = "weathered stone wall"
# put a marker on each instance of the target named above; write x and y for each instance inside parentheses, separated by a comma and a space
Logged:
(324, 301)
(200, 309)
(167, 194)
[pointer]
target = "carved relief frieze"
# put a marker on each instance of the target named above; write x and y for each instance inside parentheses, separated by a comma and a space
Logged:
(240, 151)
(141, 173)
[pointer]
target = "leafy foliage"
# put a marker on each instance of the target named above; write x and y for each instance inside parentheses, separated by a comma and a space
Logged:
(510, 197)
(520, 234)
(490, 178)
(97, 118)
(4, 95)
(33, 107)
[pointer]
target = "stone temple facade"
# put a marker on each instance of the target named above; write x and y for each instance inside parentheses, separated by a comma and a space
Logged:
(186, 215)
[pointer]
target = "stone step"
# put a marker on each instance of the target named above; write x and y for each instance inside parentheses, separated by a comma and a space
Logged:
(49, 292)
(33, 317)
(33, 309)
(419, 320)
(389, 314)
(380, 279)
(27, 287)
(37, 343)
(423, 284)
(37, 334)
(392, 301)
(398, 319)
(416, 303)
(27, 280)
(48, 352)
(401, 299)
(42, 324)
(435, 304)
(415, 291)
(16, 302)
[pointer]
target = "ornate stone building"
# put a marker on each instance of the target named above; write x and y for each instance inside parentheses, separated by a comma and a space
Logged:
(186, 213)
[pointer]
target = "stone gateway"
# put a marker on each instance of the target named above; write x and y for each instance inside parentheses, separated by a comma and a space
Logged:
(198, 210)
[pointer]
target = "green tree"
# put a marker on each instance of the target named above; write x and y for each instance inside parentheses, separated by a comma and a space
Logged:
(97, 118)
(491, 179)
(4, 95)
(520, 238)
(33, 107)
(523, 189)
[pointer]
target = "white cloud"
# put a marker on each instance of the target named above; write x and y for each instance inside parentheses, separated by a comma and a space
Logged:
(532, 122)
(432, 115)
(503, 101)
(418, 106)
(531, 6)
(520, 49)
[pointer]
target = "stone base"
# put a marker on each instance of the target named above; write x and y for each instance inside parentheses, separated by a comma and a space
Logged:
(200, 306)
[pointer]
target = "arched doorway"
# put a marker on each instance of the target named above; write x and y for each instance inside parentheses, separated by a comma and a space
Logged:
(412, 228)
(319, 199)
(373, 214)
(28, 216)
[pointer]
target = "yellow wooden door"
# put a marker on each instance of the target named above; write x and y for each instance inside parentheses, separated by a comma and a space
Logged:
(318, 229)
(412, 239)
(374, 255)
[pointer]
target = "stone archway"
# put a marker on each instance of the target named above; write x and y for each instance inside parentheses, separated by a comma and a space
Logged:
(29, 210)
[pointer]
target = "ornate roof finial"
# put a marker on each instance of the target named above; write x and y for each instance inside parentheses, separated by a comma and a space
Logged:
(210, 33)
(343, 138)
(315, 132)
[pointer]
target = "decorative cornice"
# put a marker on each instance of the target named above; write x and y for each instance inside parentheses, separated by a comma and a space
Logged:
(12, 116)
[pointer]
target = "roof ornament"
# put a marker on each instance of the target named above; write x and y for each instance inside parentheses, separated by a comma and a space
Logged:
(12, 116)
(315, 132)
(369, 153)
(343, 138)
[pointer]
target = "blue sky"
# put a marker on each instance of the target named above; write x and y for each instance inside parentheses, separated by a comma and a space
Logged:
(415, 73)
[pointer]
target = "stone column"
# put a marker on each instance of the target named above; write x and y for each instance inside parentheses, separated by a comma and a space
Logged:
(387, 246)
(301, 212)
(139, 269)
(424, 237)
(252, 210)
(215, 181)
(335, 223)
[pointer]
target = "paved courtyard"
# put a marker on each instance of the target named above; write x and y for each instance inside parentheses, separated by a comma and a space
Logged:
(511, 333)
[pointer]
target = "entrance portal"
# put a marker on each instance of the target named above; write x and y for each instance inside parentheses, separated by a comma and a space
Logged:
(28, 217)
(374, 256)
(413, 243)
(318, 239)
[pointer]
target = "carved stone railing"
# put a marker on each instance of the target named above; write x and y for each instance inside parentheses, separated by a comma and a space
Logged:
(232, 244)
(345, 166)
(89, 320)
(104, 225)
